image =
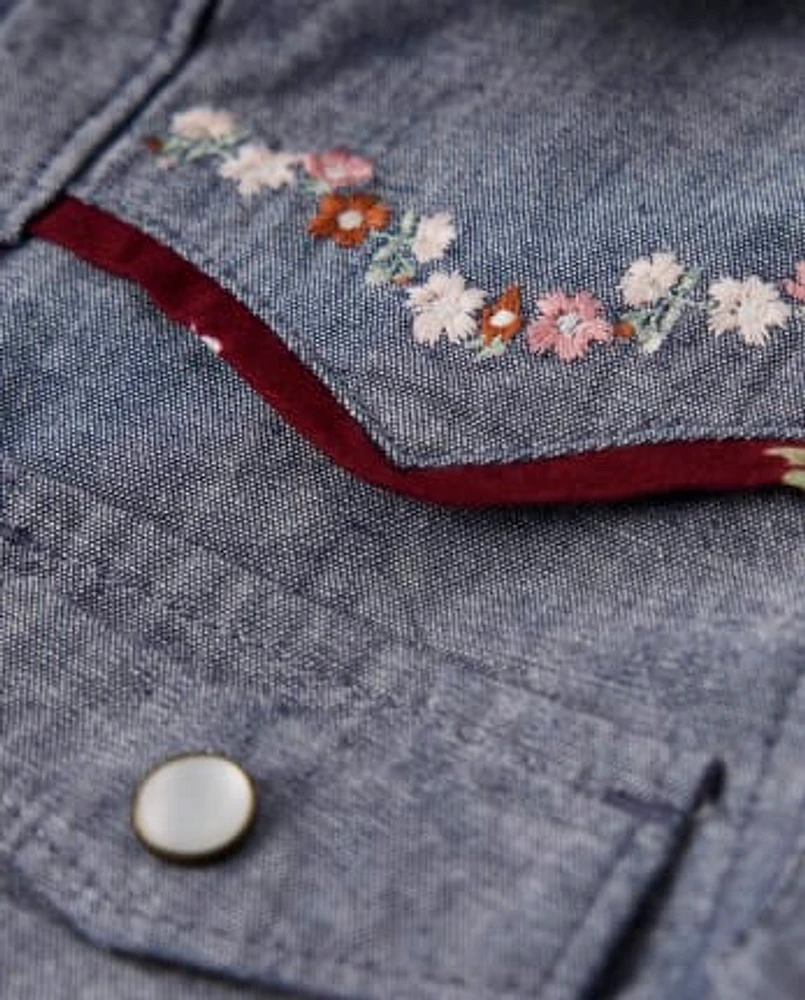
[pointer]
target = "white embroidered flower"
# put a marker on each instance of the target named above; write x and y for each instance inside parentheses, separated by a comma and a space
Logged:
(444, 307)
(650, 278)
(750, 308)
(255, 166)
(434, 234)
(203, 123)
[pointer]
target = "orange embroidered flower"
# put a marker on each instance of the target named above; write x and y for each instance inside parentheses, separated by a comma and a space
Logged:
(348, 219)
(503, 318)
(623, 330)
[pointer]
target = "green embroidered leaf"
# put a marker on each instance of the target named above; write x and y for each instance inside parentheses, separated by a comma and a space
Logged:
(192, 150)
(384, 253)
(408, 224)
(314, 186)
(406, 268)
(377, 276)
(482, 351)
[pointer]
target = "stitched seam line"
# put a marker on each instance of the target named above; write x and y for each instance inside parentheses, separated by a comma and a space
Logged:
(710, 928)
(88, 880)
(56, 146)
(590, 793)
(619, 856)
(415, 644)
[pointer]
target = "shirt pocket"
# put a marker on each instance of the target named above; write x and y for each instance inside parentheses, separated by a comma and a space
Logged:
(424, 829)
(469, 286)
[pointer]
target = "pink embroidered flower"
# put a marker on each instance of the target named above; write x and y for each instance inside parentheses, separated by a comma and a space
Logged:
(444, 307)
(203, 123)
(255, 166)
(433, 236)
(650, 279)
(339, 168)
(568, 325)
(795, 287)
(750, 308)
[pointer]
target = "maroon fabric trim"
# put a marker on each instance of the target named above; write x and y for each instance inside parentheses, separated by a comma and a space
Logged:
(191, 298)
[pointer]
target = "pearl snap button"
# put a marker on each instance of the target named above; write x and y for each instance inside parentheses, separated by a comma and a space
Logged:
(194, 807)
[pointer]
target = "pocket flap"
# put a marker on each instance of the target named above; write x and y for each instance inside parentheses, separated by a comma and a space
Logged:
(569, 280)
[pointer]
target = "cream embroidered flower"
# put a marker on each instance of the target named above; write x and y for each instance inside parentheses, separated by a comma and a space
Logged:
(750, 308)
(434, 234)
(650, 278)
(203, 123)
(255, 166)
(444, 307)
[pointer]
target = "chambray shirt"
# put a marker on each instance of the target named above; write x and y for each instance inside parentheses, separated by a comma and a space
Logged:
(405, 399)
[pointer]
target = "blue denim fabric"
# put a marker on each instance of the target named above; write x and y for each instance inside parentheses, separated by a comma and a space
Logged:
(482, 739)
(70, 74)
(568, 140)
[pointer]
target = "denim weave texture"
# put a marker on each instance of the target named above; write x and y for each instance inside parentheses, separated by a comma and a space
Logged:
(482, 739)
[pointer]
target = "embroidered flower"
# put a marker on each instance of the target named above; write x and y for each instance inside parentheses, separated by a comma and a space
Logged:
(444, 307)
(795, 287)
(348, 219)
(255, 166)
(503, 318)
(750, 308)
(339, 168)
(658, 289)
(202, 123)
(434, 234)
(650, 278)
(568, 325)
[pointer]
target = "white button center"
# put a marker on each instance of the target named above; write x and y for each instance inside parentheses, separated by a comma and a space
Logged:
(193, 807)
(350, 219)
(502, 318)
(568, 323)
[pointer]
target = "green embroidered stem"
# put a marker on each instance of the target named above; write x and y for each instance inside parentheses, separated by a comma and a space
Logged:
(654, 324)
(393, 261)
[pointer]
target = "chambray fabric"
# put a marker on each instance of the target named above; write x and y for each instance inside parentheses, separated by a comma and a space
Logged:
(483, 740)
(567, 139)
(476, 734)
(70, 74)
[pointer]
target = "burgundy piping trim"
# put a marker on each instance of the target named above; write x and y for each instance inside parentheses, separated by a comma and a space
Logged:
(190, 297)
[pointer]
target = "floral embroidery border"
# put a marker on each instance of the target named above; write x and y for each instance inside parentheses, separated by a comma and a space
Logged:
(656, 290)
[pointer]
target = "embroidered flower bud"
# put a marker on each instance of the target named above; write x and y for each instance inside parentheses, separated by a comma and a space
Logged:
(203, 123)
(339, 168)
(503, 319)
